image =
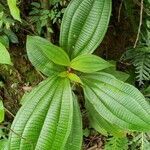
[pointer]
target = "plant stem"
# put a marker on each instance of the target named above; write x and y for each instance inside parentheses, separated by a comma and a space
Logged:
(140, 24)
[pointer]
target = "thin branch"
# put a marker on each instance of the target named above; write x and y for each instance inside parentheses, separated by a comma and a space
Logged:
(10, 112)
(139, 4)
(119, 13)
(140, 24)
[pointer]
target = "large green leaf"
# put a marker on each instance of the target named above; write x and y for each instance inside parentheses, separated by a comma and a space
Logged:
(1, 111)
(4, 55)
(52, 52)
(118, 74)
(14, 9)
(123, 76)
(75, 138)
(117, 102)
(44, 55)
(89, 63)
(100, 124)
(45, 119)
(3, 144)
(84, 25)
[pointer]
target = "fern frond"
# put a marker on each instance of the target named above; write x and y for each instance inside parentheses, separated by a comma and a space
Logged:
(145, 32)
(115, 143)
(140, 58)
(141, 140)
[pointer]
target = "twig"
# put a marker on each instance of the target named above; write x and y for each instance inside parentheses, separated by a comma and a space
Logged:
(139, 4)
(10, 112)
(140, 24)
(7, 128)
(119, 13)
(41, 74)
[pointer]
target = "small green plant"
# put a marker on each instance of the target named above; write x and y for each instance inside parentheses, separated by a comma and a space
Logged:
(40, 16)
(6, 24)
(50, 117)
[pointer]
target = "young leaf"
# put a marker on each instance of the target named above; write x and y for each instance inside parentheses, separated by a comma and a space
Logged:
(14, 9)
(89, 63)
(117, 102)
(74, 141)
(84, 25)
(73, 77)
(43, 54)
(45, 119)
(4, 55)
(1, 112)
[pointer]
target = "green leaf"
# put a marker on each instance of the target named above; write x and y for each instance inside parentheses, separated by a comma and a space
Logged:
(3, 144)
(4, 55)
(43, 54)
(14, 9)
(89, 63)
(100, 124)
(75, 138)
(86, 132)
(52, 52)
(45, 119)
(116, 143)
(140, 58)
(73, 77)
(4, 40)
(140, 140)
(1, 111)
(84, 25)
(117, 102)
(118, 74)
(11, 36)
(123, 76)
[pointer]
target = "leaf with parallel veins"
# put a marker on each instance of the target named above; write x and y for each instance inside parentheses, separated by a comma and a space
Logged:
(45, 119)
(117, 102)
(84, 25)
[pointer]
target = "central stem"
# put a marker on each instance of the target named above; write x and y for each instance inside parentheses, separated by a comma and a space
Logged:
(70, 70)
